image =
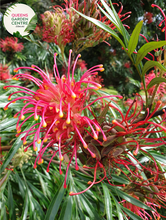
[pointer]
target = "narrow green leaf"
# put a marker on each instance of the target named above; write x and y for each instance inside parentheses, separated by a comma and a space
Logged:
(81, 214)
(21, 184)
(119, 179)
(101, 117)
(90, 208)
(17, 144)
(103, 26)
(3, 215)
(11, 204)
(108, 202)
(119, 211)
(44, 184)
(125, 33)
(132, 158)
(129, 198)
(7, 123)
(158, 157)
(85, 202)
(38, 209)
(131, 214)
(134, 38)
(66, 213)
(155, 81)
(25, 208)
(55, 203)
(150, 64)
(110, 14)
(39, 194)
(30, 203)
(146, 48)
(134, 82)
(3, 181)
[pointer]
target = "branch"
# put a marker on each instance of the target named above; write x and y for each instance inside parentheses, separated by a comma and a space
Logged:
(5, 148)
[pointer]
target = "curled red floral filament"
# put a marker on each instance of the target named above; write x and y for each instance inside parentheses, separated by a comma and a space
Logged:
(57, 112)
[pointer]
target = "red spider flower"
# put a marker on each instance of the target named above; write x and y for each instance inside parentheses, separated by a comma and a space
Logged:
(130, 133)
(133, 127)
(84, 29)
(58, 112)
(56, 28)
(141, 212)
(11, 44)
(4, 72)
(153, 196)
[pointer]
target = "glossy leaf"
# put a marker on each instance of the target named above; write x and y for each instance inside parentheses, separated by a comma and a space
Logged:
(108, 202)
(125, 33)
(17, 144)
(3, 215)
(119, 179)
(110, 14)
(134, 38)
(131, 214)
(119, 211)
(155, 81)
(3, 180)
(21, 184)
(7, 123)
(146, 48)
(11, 204)
(103, 26)
(150, 64)
(38, 209)
(31, 205)
(25, 208)
(90, 208)
(103, 114)
(66, 211)
(132, 158)
(158, 157)
(44, 184)
(134, 82)
(129, 198)
(39, 194)
(87, 201)
(55, 203)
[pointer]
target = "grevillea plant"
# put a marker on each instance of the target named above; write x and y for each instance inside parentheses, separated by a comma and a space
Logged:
(64, 25)
(137, 128)
(57, 110)
(10, 44)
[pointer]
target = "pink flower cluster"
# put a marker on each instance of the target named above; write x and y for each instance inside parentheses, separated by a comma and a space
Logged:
(57, 110)
(4, 72)
(56, 28)
(11, 44)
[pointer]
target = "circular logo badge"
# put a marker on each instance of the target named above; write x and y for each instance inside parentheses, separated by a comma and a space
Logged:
(19, 20)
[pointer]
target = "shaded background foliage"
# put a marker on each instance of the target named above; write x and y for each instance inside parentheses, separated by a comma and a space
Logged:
(114, 74)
